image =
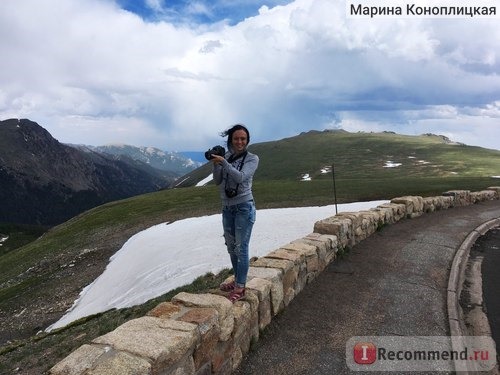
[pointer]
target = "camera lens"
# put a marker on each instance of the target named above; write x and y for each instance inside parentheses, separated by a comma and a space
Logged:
(208, 155)
(216, 150)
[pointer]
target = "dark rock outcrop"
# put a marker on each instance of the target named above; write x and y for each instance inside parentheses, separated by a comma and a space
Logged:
(45, 182)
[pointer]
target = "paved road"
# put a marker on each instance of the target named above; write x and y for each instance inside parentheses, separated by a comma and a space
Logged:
(488, 246)
(392, 284)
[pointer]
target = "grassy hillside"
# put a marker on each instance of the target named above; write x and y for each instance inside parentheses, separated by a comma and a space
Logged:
(40, 280)
(363, 155)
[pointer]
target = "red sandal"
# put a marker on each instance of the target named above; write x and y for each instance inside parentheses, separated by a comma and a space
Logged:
(236, 294)
(227, 287)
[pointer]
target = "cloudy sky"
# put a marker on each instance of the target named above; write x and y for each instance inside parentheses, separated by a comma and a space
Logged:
(174, 73)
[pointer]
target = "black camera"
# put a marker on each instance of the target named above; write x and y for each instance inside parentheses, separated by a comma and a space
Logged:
(231, 193)
(216, 150)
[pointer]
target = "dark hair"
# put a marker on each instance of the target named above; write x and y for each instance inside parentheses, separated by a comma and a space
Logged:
(229, 133)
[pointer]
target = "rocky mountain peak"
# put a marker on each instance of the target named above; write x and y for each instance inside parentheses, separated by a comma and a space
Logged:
(46, 182)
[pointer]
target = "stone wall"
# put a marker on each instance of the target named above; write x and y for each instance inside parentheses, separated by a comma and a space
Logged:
(207, 334)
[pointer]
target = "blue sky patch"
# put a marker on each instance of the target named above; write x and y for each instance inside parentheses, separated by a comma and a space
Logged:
(197, 12)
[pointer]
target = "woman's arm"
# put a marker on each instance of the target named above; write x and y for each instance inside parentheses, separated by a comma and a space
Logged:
(249, 167)
(217, 173)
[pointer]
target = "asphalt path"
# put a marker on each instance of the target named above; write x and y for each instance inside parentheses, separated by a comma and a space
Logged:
(394, 283)
(488, 246)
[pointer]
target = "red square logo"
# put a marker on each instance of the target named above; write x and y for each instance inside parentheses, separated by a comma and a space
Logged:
(365, 353)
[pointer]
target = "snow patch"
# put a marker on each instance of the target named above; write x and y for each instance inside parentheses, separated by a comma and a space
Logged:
(391, 164)
(205, 181)
(164, 257)
(3, 239)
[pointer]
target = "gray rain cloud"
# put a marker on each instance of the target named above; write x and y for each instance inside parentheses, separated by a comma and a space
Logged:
(93, 73)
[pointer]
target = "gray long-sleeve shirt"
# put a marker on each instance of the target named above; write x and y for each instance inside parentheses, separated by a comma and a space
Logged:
(229, 176)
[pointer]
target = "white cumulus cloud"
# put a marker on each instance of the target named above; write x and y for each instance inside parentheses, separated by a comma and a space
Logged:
(91, 72)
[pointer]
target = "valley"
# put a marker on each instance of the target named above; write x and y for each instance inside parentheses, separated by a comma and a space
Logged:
(40, 279)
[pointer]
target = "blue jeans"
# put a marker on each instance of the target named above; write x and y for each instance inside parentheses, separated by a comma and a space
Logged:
(238, 222)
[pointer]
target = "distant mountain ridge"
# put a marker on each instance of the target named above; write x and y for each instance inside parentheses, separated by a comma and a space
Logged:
(163, 160)
(45, 182)
(196, 156)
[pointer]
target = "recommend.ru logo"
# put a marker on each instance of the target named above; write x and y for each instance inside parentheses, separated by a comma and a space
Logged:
(421, 353)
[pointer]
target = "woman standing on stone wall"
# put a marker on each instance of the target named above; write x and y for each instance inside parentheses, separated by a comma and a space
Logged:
(234, 173)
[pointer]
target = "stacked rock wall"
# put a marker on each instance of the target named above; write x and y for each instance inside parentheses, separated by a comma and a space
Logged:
(207, 334)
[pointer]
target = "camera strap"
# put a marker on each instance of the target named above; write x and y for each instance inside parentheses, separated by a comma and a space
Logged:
(231, 160)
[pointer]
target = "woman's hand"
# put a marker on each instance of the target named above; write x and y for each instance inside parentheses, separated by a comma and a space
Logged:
(217, 159)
